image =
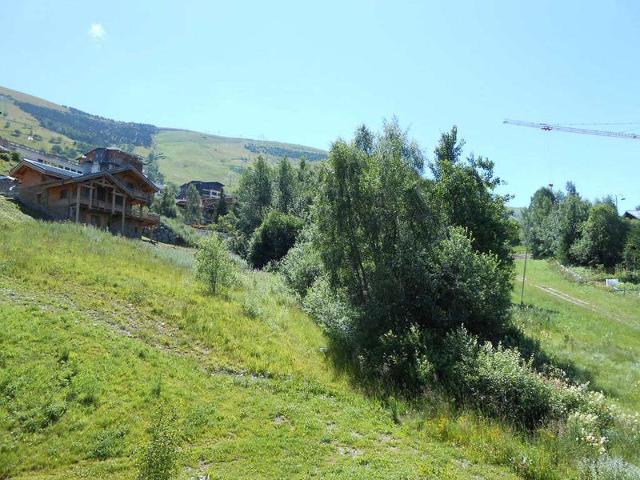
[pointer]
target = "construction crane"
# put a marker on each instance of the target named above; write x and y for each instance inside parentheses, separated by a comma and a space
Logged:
(548, 127)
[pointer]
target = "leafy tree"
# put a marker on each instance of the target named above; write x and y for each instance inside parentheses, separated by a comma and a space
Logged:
(535, 222)
(222, 208)
(273, 239)
(631, 252)
(306, 188)
(15, 157)
(602, 237)
(254, 196)
(390, 252)
(165, 202)
(465, 191)
(285, 186)
(213, 264)
(566, 222)
(449, 149)
(152, 169)
(193, 207)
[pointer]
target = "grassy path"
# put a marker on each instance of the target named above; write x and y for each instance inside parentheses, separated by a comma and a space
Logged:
(587, 325)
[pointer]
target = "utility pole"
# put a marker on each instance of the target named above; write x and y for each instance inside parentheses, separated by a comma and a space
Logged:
(524, 274)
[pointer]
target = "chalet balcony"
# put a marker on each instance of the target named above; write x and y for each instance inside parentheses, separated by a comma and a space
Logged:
(101, 206)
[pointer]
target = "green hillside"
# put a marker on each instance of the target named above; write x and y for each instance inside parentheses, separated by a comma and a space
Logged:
(98, 332)
(190, 155)
(185, 155)
(88, 354)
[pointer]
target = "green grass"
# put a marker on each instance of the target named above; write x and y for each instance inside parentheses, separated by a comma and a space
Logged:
(96, 330)
(198, 156)
(601, 338)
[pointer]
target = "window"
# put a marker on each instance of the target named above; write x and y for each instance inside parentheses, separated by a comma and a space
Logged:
(85, 192)
(63, 193)
(102, 194)
(119, 200)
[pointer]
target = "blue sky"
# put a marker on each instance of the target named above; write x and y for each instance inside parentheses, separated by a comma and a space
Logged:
(310, 72)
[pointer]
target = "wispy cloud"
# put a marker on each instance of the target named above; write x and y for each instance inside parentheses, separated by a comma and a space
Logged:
(97, 32)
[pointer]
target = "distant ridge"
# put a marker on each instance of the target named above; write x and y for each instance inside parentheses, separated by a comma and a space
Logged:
(182, 155)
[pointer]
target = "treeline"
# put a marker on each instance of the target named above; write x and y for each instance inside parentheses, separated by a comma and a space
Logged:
(90, 129)
(577, 232)
(285, 152)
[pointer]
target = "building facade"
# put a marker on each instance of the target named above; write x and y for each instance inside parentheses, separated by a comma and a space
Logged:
(106, 188)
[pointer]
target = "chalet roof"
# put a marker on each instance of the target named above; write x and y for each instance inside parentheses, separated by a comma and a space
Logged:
(632, 214)
(60, 171)
(73, 176)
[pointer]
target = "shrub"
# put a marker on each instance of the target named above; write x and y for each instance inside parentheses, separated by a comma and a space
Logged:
(469, 287)
(273, 238)
(301, 267)
(158, 459)
(331, 310)
(213, 264)
(497, 380)
(108, 444)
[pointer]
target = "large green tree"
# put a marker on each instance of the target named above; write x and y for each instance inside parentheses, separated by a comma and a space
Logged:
(285, 186)
(602, 237)
(465, 191)
(566, 222)
(255, 195)
(387, 244)
(535, 222)
(193, 207)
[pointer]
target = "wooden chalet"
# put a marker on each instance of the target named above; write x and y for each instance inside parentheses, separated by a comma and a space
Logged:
(106, 188)
(210, 194)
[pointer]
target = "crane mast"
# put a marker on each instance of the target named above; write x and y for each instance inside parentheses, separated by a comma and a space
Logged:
(548, 127)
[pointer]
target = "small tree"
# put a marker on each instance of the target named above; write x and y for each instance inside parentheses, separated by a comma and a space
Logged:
(273, 239)
(254, 196)
(158, 460)
(165, 202)
(152, 169)
(285, 186)
(222, 208)
(213, 264)
(193, 209)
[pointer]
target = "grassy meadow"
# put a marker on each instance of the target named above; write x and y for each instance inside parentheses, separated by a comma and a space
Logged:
(197, 156)
(97, 332)
(586, 324)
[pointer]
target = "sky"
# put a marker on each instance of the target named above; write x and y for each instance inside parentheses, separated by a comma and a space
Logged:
(311, 72)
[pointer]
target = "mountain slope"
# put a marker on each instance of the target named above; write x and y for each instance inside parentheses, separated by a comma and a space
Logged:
(88, 354)
(184, 155)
